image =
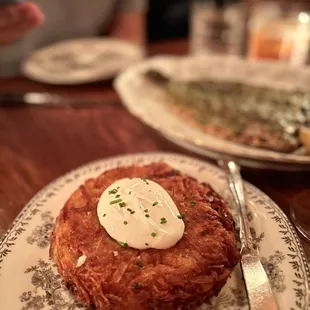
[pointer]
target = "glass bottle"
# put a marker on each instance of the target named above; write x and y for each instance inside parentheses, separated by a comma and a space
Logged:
(217, 27)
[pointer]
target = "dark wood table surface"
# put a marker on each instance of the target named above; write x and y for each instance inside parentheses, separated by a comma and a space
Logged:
(39, 144)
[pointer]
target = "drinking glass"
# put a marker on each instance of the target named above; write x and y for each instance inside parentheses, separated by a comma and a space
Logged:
(279, 31)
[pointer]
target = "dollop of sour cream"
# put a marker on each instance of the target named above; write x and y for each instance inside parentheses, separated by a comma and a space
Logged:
(140, 213)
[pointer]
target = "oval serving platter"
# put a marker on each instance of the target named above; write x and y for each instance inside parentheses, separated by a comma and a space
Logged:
(28, 279)
(147, 101)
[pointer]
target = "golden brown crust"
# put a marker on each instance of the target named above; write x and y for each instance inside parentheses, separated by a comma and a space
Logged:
(181, 277)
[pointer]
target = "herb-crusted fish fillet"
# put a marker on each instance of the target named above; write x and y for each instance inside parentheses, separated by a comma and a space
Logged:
(256, 116)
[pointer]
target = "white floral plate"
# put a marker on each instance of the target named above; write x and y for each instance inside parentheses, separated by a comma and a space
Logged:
(80, 61)
(28, 280)
(148, 102)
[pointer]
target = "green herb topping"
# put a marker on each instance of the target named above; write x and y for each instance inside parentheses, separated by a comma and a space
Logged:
(147, 215)
(122, 204)
(115, 201)
(139, 264)
(193, 203)
(180, 217)
(145, 180)
(155, 203)
(153, 234)
(163, 220)
(125, 222)
(123, 244)
(112, 191)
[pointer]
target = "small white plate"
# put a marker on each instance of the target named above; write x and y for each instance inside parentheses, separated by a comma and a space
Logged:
(29, 281)
(81, 61)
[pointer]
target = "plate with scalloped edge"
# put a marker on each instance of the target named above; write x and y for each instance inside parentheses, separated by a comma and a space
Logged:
(29, 280)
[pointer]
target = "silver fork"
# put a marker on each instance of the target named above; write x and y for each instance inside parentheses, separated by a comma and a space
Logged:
(260, 295)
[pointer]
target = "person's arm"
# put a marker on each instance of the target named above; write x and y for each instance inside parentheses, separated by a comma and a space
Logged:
(130, 22)
(15, 23)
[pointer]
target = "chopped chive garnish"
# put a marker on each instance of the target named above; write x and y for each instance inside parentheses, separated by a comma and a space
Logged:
(153, 234)
(147, 244)
(145, 180)
(130, 193)
(146, 210)
(163, 220)
(115, 201)
(147, 215)
(122, 204)
(117, 196)
(112, 191)
(125, 222)
(139, 264)
(132, 212)
(104, 215)
(117, 187)
(123, 244)
(129, 209)
(180, 217)
(193, 203)
(155, 203)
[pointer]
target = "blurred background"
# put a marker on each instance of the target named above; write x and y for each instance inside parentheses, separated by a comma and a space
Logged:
(168, 19)
(255, 29)
(273, 30)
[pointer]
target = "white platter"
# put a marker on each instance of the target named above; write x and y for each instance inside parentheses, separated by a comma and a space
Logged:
(147, 101)
(28, 280)
(244, 162)
(81, 61)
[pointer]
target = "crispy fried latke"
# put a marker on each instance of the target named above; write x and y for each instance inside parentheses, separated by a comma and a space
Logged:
(113, 277)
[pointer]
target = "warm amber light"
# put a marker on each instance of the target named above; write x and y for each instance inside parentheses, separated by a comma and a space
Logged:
(272, 41)
(264, 47)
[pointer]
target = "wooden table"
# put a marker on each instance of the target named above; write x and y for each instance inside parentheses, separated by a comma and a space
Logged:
(39, 144)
